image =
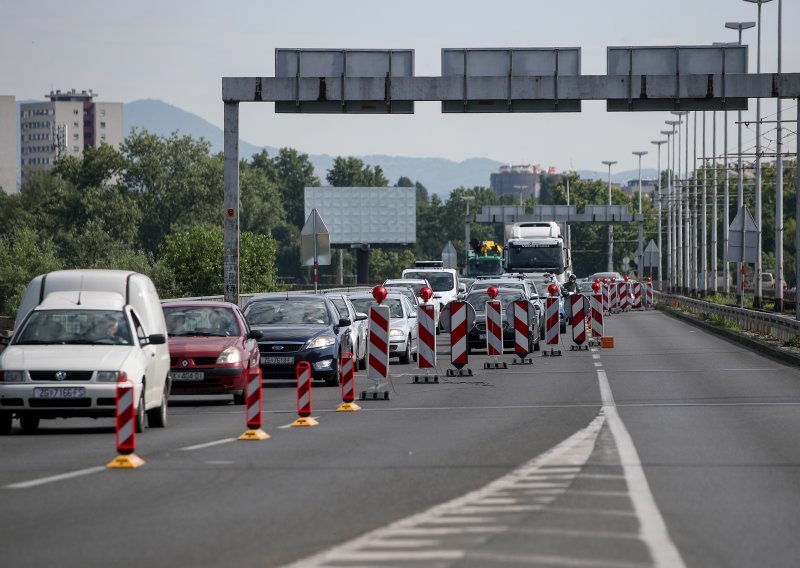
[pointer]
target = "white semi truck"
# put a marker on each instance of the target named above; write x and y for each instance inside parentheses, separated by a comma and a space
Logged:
(537, 248)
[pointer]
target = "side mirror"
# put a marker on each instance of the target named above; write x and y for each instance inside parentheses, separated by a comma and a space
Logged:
(361, 316)
(255, 334)
(439, 296)
(156, 339)
(461, 287)
(344, 322)
(412, 314)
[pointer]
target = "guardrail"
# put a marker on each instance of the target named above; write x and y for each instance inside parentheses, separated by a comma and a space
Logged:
(781, 327)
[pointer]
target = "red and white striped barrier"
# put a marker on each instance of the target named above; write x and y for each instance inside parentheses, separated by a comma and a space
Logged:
(648, 294)
(304, 401)
(253, 406)
(459, 354)
(578, 321)
(348, 385)
(637, 295)
(624, 297)
(494, 328)
(597, 316)
(605, 293)
(551, 325)
(613, 303)
(522, 316)
(126, 426)
(426, 359)
(378, 348)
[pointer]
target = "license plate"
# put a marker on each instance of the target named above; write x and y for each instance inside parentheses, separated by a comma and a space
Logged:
(274, 360)
(188, 376)
(59, 392)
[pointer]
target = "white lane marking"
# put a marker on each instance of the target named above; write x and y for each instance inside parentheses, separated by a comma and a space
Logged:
(598, 364)
(451, 513)
(577, 533)
(652, 529)
(54, 478)
(220, 462)
(552, 560)
(364, 556)
(206, 445)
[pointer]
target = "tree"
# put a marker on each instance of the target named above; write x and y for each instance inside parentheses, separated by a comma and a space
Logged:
(352, 172)
(24, 254)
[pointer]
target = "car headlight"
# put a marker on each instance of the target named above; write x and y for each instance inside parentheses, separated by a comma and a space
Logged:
(107, 376)
(320, 342)
(230, 355)
(13, 376)
(396, 333)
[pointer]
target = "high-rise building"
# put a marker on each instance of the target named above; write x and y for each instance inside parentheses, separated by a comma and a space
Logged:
(519, 181)
(64, 126)
(8, 144)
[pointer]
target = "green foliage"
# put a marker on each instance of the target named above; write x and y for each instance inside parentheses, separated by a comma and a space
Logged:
(386, 264)
(23, 255)
(351, 172)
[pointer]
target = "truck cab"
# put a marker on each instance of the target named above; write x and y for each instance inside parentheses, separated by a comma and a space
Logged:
(537, 247)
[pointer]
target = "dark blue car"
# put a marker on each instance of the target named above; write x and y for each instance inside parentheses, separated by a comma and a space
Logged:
(299, 327)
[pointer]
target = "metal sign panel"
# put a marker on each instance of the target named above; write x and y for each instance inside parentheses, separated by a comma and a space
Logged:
(337, 65)
(676, 62)
(555, 212)
(449, 256)
(315, 232)
(499, 214)
(492, 77)
(651, 254)
(743, 238)
(366, 215)
(608, 213)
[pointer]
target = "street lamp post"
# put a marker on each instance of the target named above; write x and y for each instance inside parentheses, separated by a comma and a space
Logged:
(779, 184)
(658, 144)
(610, 225)
(682, 241)
(672, 243)
(639, 258)
(714, 231)
(467, 198)
(757, 292)
(739, 26)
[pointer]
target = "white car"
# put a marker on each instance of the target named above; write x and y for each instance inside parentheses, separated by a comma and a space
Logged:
(78, 333)
(403, 333)
(359, 321)
(443, 281)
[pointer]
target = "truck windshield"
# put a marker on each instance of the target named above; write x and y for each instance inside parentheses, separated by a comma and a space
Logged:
(484, 267)
(530, 258)
(47, 327)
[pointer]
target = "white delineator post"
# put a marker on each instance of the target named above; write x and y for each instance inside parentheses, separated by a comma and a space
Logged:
(426, 318)
(578, 322)
(304, 400)
(522, 317)
(597, 316)
(637, 295)
(253, 404)
(348, 385)
(648, 294)
(459, 354)
(494, 329)
(126, 426)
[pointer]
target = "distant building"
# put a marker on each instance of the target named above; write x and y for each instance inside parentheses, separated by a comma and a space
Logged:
(64, 126)
(649, 187)
(8, 144)
(522, 181)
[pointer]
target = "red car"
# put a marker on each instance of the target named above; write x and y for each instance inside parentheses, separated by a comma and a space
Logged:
(211, 347)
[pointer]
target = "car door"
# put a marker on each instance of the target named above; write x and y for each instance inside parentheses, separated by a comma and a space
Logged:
(250, 345)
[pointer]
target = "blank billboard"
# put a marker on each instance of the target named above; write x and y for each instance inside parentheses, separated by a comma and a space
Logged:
(366, 215)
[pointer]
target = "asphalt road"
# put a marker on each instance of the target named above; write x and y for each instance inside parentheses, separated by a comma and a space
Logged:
(673, 448)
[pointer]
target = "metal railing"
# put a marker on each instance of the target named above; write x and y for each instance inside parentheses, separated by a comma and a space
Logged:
(781, 327)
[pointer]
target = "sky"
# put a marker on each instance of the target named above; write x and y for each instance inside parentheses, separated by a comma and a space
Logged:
(179, 50)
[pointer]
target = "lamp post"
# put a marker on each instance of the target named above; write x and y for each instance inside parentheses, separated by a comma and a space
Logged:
(779, 183)
(673, 217)
(610, 226)
(467, 198)
(739, 26)
(658, 144)
(714, 231)
(641, 219)
(682, 241)
(757, 292)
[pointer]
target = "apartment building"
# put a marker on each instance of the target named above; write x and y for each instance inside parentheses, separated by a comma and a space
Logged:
(8, 144)
(65, 125)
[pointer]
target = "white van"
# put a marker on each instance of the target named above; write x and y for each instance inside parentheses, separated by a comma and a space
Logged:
(77, 333)
(443, 281)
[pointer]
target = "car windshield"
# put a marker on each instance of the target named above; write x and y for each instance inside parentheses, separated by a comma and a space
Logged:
(416, 286)
(287, 312)
(478, 299)
(485, 285)
(200, 321)
(405, 291)
(102, 327)
(341, 306)
(439, 281)
(364, 304)
(484, 267)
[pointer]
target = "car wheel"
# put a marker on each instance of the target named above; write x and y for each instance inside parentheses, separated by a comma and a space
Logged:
(406, 356)
(140, 415)
(239, 398)
(5, 423)
(157, 417)
(29, 423)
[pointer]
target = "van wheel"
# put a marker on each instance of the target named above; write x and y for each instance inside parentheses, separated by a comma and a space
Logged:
(29, 423)
(157, 417)
(5, 423)
(140, 415)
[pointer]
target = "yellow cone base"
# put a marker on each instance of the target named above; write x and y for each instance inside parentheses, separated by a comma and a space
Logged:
(126, 462)
(348, 407)
(305, 422)
(254, 435)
